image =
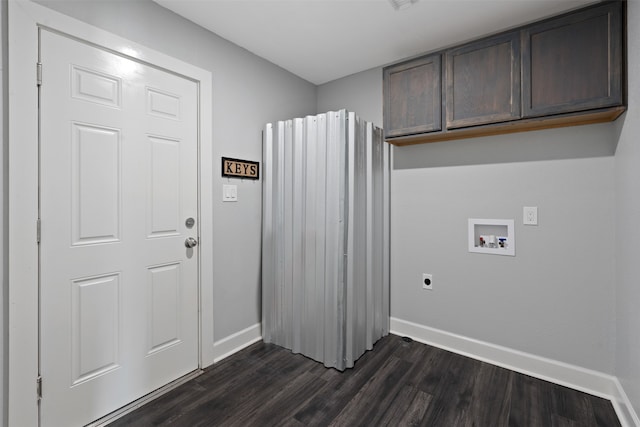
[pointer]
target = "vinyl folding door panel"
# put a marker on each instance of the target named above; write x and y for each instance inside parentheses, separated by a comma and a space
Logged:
(324, 256)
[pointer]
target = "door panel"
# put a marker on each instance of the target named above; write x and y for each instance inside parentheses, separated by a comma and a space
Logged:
(483, 81)
(413, 95)
(163, 308)
(95, 181)
(574, 62)
(118, 174)
(93, 86)
(164, 192)
(95, 330)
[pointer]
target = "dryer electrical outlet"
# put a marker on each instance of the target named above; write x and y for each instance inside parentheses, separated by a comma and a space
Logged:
(427, 281)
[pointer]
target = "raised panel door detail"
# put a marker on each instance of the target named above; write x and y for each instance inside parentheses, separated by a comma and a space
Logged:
(573, 63)
(110, 178)
(95, 326)
(413, 97)
(483, 82)
(164, 187)
(164, 306)
(163, 104)
(96, 182)
(95, 86)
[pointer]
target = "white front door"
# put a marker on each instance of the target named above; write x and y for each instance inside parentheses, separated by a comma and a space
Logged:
(118, 183)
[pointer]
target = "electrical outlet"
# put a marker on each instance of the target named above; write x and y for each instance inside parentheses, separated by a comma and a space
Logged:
(427, 281)
(530, 215)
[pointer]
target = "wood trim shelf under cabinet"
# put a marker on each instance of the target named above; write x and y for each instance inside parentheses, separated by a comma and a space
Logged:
(537, 123)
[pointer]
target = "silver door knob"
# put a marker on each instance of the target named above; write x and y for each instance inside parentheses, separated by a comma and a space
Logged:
(191, 242)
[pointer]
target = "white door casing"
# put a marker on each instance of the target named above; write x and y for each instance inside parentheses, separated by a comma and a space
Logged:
(118, 180)
(25, 18)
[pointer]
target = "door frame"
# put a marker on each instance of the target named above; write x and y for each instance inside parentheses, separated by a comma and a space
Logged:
(25, 18)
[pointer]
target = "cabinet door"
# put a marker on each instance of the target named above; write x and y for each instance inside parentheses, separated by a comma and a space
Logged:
(574, 62)
(412, 97)
(483, 81)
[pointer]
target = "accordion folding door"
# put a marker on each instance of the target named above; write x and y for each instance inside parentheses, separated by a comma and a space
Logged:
(325, 238)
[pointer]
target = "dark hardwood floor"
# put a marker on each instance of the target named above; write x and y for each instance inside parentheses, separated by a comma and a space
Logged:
(397, 384)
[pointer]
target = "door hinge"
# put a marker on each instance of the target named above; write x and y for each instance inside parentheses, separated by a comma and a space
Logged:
(39, 387)
(39, 73)
(38, 228)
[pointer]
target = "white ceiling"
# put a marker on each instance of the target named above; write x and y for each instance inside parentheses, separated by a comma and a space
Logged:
(323, 40)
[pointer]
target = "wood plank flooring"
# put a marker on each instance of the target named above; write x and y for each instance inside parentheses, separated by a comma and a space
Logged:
(397, 384)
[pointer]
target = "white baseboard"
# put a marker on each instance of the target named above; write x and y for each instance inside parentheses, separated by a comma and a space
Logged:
(236, 342)
(586, 380)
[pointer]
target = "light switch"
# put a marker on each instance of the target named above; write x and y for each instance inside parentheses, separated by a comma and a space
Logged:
(229, 193)
(530, 215)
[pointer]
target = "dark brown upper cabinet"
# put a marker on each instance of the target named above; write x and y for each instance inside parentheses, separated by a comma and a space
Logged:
(566, 70)
(574, 62)
(413, 94)
(483, 81)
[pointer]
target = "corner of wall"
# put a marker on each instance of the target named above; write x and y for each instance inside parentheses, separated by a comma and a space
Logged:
(627, 205)
(624, 409)
(4, 289)
(236, 342)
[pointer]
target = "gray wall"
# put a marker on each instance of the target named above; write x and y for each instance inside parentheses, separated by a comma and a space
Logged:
(247, 93)
(627, 179)
(360, 93)
(558, 289)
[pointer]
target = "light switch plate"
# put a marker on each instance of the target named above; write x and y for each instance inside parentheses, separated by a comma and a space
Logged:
(229, 193)
(530, 215)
